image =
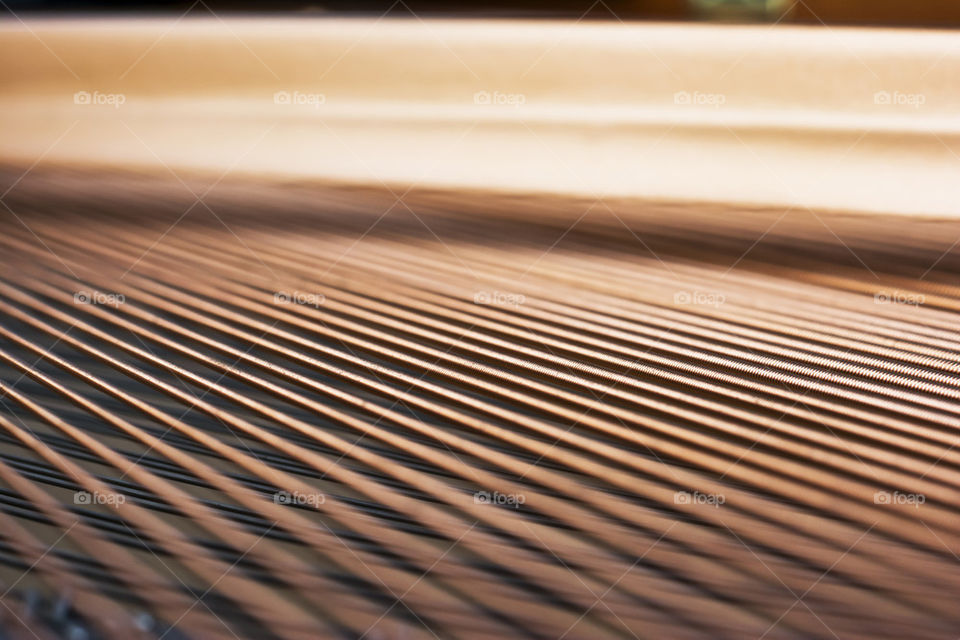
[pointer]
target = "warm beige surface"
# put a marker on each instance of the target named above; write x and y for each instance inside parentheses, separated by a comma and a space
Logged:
(798, 125)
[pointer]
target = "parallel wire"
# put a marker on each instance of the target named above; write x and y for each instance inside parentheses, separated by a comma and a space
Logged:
(595, 401)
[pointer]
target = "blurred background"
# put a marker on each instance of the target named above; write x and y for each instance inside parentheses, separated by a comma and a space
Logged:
(916, 13)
